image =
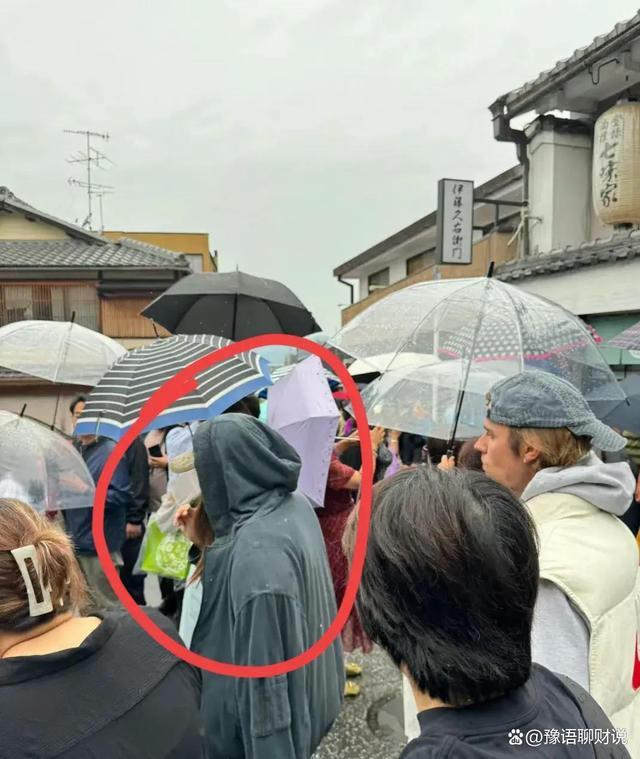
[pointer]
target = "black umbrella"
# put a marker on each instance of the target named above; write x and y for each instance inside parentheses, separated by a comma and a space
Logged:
(234, 305)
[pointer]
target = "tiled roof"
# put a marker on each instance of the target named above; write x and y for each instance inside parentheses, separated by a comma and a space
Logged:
(576, 61)
(619, 247)
(80, 254)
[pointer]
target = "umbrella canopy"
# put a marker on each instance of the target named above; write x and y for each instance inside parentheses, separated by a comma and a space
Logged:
(489, 329)
(115, 403)
(40, 467)
(627, 340)
(233, 304)
(626, 415)
(61, 352)
(303, 411)
(382, 329)
(507, 330)
(422, 399)
(377, 364)
(285, 371)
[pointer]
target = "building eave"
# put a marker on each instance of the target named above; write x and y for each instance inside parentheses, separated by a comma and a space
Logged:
(426, 222)
(531, 95)
(619, 247)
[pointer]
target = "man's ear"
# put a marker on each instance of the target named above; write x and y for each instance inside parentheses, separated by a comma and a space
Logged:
(530, 455)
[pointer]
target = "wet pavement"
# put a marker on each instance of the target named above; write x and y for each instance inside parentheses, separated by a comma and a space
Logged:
(369, 725)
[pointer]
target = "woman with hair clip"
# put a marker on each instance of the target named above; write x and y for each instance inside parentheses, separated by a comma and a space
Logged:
(73, 686)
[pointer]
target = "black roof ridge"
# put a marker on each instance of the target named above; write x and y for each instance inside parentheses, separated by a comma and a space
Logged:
(564, 68)
(619, 246)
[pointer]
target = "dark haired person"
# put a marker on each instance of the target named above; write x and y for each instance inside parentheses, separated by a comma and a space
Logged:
(119, 505)
(74, 685)
(539, 435)
(95, 451)
(448, 590)
(76, 407)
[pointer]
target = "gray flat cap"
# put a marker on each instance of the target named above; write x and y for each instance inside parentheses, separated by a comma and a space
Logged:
(540, 399)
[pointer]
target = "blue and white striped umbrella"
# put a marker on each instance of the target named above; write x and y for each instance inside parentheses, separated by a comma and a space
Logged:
(117, 400)
(285, 371)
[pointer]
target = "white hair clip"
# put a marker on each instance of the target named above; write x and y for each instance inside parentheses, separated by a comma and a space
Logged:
(23, 555)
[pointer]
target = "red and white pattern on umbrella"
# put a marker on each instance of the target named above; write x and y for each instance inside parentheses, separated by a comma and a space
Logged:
(507, 343)
(627, 340)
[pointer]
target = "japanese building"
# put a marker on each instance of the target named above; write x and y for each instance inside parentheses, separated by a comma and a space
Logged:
(51, 269)
(572, 250)
(540, 225)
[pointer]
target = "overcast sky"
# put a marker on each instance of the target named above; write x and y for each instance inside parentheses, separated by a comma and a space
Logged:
(297, 133)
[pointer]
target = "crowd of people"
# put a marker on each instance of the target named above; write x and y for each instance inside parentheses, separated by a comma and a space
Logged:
(501, 577)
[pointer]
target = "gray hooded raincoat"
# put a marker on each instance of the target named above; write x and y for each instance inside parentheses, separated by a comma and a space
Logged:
(267, 596)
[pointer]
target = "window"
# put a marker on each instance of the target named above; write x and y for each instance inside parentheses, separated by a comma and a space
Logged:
(419, 262)
(54, 302)
(378, 280)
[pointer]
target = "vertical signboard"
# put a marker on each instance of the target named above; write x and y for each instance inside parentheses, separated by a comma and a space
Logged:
(455, 221)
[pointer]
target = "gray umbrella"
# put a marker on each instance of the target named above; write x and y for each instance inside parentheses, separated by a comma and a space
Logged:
(626, 415)
(233, 304)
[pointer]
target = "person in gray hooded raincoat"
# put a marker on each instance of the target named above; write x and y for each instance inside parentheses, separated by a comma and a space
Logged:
(267, 595)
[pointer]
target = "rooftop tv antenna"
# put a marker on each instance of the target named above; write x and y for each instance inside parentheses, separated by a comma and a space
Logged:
(93, 158)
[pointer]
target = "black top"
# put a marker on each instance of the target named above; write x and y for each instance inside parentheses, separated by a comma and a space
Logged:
(137, 459)
(525, 717)
(119, 694)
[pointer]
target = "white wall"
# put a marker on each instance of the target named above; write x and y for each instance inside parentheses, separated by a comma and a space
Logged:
(602, 289)
(398, 270)
(559, 189)
(15, 226)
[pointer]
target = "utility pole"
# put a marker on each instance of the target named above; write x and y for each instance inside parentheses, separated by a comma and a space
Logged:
(91, 157)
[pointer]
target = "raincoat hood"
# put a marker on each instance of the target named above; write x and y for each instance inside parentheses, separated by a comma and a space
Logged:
(609, 487)
(240, 464)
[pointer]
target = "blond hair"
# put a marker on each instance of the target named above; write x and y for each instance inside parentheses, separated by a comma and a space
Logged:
(21, 525)
(557, 446)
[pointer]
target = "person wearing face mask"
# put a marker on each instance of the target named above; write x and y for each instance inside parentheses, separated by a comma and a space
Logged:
(538, 439)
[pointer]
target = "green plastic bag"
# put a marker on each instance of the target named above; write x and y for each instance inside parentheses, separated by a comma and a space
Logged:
(165, 553)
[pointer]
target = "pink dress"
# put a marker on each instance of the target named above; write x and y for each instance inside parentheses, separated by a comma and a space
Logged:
(338, 505)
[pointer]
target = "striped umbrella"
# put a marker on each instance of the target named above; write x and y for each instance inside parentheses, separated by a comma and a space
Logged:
(116, 402)
(285, 371)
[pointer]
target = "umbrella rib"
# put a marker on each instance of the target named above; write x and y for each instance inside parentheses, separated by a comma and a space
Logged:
(426, 316)
(518, 325)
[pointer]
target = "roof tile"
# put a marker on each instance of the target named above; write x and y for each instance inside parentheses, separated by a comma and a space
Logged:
(80, 254)
(574, 59)
(622, 246)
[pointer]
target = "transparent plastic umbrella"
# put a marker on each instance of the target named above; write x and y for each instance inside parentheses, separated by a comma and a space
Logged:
(627, 340)
(365, 366)
(422, 400)
(61, 352)
(41, 467)
(378, 332)
(490, 328)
